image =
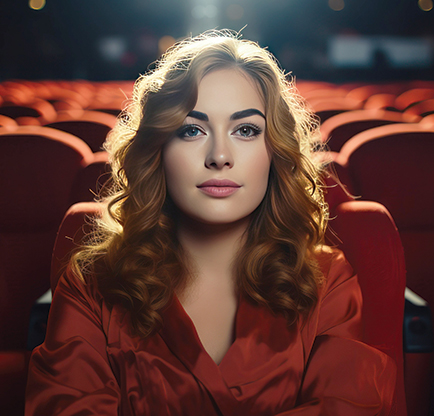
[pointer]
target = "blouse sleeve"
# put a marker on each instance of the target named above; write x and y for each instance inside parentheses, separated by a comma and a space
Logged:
(344, 376)
(69, 374)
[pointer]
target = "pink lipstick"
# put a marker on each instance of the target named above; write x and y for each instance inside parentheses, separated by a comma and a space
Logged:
(219, 187)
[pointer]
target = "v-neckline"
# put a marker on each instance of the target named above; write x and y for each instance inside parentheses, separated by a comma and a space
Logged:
(262, 343)
(185, 317)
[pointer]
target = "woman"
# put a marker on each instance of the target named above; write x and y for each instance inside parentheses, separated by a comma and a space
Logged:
(205, 288)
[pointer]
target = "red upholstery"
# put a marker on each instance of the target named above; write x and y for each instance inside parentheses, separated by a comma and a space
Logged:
(74, 227)
(6, 121)
(423, 108)
(305, 86)
(365, 91)
(428, 121)
(328, 107)
(13, 376)
(37, 169)
(90, 126)
(55, 92)
(413, 96)
(319, 94)
(371, 243)
(110, 105)
(394, 165)
(382, 100)
(38, 108)
(338, 129)
(91, 178)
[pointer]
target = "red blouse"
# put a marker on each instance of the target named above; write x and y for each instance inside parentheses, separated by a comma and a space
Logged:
(89, 363)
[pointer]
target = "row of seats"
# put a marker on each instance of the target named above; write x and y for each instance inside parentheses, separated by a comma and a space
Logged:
(90, 126)
(68, 95)
(392, 164)
(45, 171)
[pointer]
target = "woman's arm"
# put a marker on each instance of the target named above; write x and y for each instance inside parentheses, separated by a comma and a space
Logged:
(69, 373)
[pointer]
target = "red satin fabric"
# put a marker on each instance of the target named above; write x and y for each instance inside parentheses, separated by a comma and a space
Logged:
(90, 365)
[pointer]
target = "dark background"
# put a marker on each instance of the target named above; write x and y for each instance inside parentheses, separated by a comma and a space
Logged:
(63, 40)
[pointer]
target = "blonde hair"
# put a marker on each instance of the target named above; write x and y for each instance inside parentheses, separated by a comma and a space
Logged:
(133, 255)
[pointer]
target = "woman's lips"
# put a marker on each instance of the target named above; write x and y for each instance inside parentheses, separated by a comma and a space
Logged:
(219, 187)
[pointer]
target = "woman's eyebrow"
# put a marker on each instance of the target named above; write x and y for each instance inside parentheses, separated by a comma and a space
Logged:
(236, 116)
(246, 113)
(198, 115)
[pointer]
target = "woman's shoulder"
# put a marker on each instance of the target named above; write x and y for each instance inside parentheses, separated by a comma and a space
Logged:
(82, 290)
(334, 267)
(340, 298)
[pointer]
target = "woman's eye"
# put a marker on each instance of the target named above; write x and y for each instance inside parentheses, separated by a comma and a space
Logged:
(188, 131)
(248, 131)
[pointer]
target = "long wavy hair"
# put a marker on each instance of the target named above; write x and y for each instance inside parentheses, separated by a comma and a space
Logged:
(133, 255)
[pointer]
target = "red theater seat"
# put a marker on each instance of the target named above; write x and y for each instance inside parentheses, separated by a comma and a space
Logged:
(385, 101)
(37, 108)
(6, 121)
(91, 178)
(90, 126)
(393, 165)
(13, 376)
(325, 108)
(413, 96)
(336, 130)
(423, 108)
(364, 92)
(38, 167)
(369, 239)
(75, 225)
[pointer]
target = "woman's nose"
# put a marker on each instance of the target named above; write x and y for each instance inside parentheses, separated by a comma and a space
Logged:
(219, 154)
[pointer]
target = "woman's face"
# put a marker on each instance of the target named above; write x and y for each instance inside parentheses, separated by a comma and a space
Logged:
(217, 164)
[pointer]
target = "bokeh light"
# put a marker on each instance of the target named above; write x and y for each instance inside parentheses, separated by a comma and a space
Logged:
(37, 4)
(200, 11)
(425, 5)
(336, 5)
(234, 12)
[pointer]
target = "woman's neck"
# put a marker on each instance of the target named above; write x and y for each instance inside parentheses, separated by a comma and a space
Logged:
(212, 248)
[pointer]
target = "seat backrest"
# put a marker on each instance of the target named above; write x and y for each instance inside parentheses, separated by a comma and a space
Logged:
(325, 108)
(380, 101)
(413, 96)
(336, 130)
(76, 224)
(422, 108)
(6, 121)
(38, 167)
(37, 108)
(366, 233)
(91, 179)
(90, 126)
(371, 243)
(394, 165)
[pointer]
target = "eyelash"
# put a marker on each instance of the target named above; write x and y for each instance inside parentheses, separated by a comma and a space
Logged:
(182, 132)
(255, 130)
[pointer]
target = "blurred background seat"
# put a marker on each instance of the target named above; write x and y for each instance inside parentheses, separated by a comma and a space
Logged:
(336, 130)
(91, 126)
(37, 171)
